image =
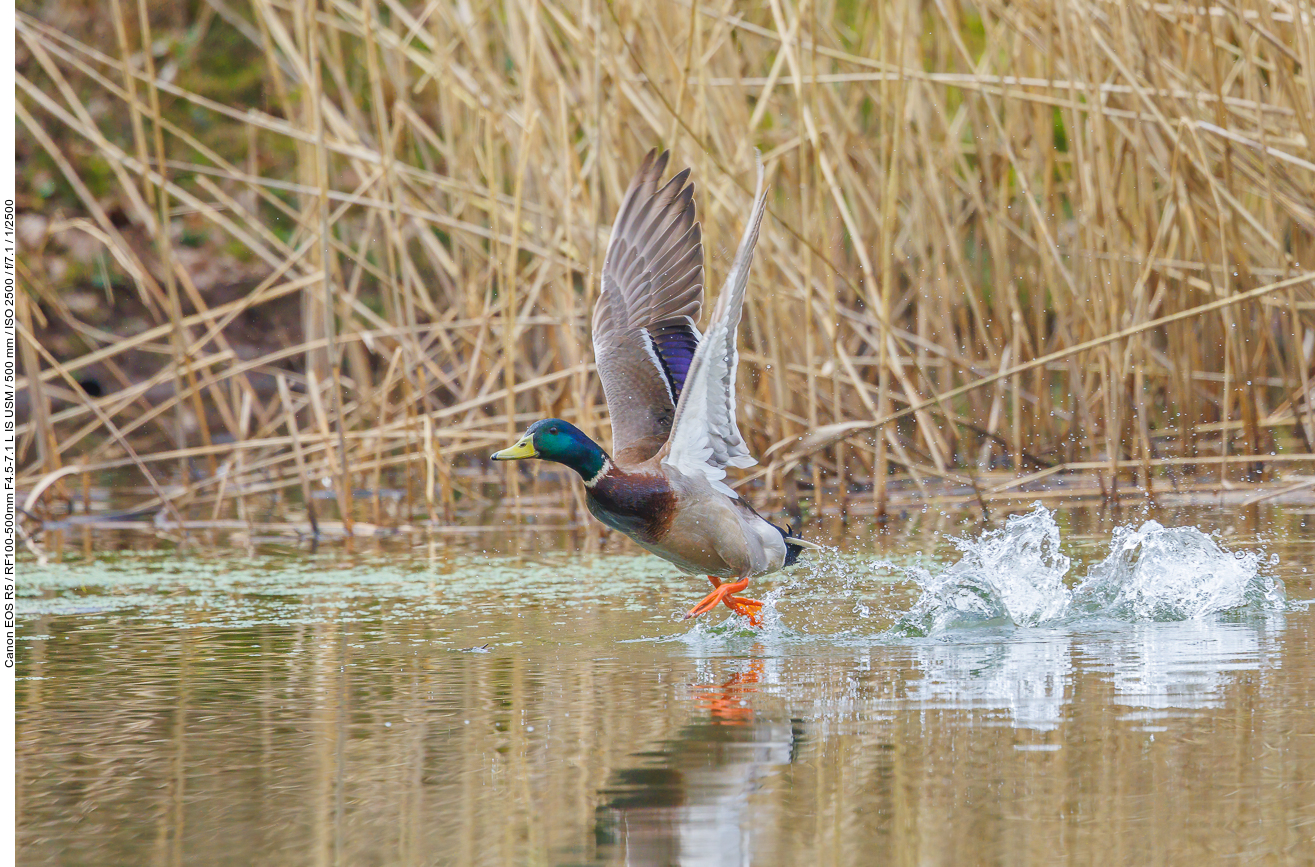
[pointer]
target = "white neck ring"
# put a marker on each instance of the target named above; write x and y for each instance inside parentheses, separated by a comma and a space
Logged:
(602, 471)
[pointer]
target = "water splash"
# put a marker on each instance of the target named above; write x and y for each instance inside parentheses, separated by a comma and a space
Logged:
(1174, 573)
(1153, 573)
(1014, 575)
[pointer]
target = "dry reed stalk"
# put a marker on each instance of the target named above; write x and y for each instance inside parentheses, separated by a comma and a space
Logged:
(1072, 233)
(48, 451)
(303, 477)
(30, 340)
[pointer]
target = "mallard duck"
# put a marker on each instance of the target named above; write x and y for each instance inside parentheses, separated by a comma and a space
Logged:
(671, 396)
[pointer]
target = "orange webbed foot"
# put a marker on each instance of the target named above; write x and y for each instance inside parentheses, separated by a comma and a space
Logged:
(725, 593)
(746, 607)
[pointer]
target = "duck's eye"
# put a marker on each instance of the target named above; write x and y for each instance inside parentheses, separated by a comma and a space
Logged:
(552, 430)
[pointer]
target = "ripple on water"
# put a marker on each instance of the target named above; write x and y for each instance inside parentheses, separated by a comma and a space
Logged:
(1165, 698)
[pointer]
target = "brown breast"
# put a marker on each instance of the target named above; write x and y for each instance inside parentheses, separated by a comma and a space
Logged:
(638, 504)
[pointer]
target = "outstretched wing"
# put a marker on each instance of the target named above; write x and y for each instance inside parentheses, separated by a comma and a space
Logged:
(704, 436)
(644, 323)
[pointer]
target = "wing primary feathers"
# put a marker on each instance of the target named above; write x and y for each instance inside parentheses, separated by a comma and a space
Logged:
(644, 330)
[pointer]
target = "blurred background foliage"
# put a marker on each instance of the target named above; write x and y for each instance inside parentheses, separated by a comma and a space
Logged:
(353, 245)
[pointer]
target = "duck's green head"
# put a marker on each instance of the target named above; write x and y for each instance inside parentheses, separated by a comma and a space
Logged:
(555, 440)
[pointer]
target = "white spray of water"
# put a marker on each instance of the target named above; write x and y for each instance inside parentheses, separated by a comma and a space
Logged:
(1174, 573)
(1014, 575)
(1154, 573)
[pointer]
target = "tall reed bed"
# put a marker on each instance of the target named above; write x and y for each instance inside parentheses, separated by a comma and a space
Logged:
(1007, 240)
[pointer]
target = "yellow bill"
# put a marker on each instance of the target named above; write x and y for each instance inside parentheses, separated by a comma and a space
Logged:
(524, 448)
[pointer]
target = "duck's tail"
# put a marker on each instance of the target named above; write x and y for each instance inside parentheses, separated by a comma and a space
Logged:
(794, 544)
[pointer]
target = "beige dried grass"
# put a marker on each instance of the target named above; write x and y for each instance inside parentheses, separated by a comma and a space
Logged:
(1009, 240)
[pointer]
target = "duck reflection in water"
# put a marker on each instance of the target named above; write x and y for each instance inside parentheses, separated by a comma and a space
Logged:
(688, 802)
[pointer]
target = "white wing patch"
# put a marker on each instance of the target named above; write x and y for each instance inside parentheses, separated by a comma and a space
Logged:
(704, 436)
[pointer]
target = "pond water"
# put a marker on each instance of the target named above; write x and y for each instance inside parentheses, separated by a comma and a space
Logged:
(1068, 688)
